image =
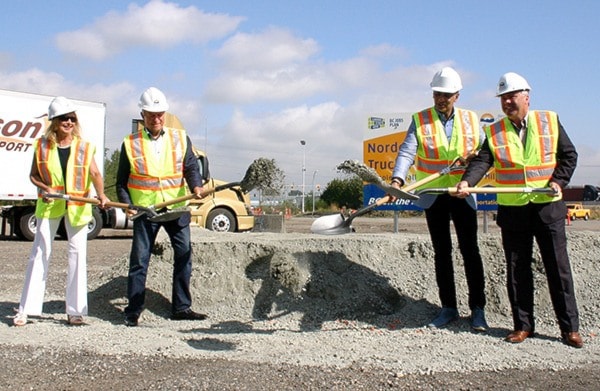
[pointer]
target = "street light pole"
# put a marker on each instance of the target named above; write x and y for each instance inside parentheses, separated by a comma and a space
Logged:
(303, 143)
(313, 191)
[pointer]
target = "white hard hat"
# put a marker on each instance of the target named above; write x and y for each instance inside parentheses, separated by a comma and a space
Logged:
(59, 106)
(510, 82)
(153, 100)
(446, 80)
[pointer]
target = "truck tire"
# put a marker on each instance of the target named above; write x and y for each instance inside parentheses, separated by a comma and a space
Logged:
(586, 217)
(94, 226)
(26, 226)
(221, 220)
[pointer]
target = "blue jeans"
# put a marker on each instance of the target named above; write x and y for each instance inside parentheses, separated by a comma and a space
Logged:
(144, 236)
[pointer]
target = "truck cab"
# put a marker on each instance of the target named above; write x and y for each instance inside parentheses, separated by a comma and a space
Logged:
(227, 210)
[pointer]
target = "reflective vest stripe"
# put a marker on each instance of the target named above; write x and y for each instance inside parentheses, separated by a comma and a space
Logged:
(42, 155)
(139, 161)
(467, 119)
(543, 122)
(498, 136)
(141, 182)
(426, 126)
(511, 177)
(178, 147)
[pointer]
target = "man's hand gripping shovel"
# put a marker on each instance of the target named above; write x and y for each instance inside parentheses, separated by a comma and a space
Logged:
(339, 224)
(160, 213)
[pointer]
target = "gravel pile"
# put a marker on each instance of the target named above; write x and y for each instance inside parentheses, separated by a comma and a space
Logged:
(330, 312)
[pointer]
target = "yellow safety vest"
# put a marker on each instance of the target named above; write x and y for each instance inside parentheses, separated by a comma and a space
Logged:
(154, 179)
(531, 166)
(435, 152)
(78, 180)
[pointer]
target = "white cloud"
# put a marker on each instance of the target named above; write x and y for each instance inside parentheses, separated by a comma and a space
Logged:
(156, 24)
(270, 50)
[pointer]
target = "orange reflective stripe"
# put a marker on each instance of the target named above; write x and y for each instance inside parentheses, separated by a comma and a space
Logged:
(142, 182)
(82, 158)
(178, 146)
(426, 127)
(431, 166)
(471, 135)
(546, 140)
(138, 157)
(42, 155)
(498, 136)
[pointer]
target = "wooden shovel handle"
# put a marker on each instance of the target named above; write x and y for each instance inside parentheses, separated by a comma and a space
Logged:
(460, 161)
(94, 201)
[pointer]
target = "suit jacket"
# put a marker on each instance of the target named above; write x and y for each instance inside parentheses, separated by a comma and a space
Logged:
(519, 216)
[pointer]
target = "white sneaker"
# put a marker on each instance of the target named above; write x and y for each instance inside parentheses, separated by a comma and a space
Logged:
(20, 319)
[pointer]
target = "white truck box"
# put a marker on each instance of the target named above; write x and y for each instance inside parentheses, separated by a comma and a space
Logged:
(23, 118)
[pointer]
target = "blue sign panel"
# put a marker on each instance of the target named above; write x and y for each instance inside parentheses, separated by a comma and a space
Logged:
(372, 193)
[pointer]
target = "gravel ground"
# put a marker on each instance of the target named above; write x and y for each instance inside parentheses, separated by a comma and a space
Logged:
(295, 311)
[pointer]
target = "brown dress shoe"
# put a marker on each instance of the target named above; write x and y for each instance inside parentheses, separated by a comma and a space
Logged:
(572, 339)
(517, 336)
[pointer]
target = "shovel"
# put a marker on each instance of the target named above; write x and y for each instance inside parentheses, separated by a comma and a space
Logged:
(262, 173)
(489, 190)
(159, 213)
(337, 224)
(96, 201)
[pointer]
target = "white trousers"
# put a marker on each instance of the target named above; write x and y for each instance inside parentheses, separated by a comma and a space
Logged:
(32, 298)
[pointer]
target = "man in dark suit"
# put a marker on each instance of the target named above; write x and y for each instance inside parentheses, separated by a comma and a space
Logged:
(530, 149)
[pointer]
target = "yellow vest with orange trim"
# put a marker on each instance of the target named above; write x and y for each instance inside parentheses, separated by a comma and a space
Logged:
(77, 176)
(156, 178)
(529, 166)
(435, 152)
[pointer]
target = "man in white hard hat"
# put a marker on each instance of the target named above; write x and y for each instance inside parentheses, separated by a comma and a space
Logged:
(530, 148)
(435, 138)
(154, 167)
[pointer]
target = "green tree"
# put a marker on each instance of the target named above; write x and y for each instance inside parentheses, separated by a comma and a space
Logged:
(110, 173)
(344, 193)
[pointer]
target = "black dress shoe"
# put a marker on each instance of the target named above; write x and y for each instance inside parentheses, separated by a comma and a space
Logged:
(188, 315)
(131, 320)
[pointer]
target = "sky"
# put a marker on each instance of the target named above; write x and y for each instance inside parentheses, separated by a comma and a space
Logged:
(251, 79)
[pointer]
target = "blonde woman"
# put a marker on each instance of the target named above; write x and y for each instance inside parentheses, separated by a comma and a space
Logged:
(62, 163)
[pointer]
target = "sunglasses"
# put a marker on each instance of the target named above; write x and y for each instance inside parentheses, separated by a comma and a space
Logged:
(65, 118)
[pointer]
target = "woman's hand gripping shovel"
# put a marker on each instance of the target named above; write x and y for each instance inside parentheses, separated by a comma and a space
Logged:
(338, 224)
(95, 201)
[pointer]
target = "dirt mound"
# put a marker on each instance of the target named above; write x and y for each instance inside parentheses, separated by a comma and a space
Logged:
(370, 278)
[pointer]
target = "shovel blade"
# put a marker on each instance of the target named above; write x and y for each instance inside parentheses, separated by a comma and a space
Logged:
(330, 225)
(169, 215)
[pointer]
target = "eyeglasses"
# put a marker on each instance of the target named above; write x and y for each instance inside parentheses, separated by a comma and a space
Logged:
(446, 95)
(65, 118)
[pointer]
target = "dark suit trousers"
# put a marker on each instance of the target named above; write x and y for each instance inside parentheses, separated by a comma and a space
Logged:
(438, 216)
(517, 240)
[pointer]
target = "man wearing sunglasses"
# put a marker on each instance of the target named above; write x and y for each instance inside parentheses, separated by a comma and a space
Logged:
(435, 138)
